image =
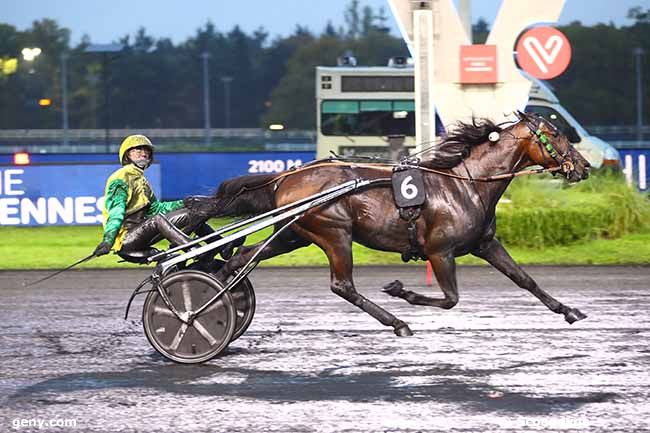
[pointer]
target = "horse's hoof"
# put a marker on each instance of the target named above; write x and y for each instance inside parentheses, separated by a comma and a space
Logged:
(573, 315)
(403, 330)
(396, 288)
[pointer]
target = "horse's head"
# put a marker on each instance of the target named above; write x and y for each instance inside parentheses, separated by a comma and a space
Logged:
(550, 148)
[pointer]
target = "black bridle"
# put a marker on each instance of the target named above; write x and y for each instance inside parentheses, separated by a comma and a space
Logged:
(564, 160)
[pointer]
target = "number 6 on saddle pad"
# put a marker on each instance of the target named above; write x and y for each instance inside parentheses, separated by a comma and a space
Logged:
(408, 188)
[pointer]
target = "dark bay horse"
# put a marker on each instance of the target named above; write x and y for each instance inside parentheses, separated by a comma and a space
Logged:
(457, 218)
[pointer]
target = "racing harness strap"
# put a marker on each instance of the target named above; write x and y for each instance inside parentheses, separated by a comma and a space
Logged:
(409, 194)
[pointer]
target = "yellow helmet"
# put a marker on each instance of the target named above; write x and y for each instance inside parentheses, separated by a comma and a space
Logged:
(131, 142)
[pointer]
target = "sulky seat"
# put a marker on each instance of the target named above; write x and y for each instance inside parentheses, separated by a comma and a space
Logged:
(139, 257)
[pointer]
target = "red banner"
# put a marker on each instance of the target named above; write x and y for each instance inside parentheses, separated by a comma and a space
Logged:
(478, 64)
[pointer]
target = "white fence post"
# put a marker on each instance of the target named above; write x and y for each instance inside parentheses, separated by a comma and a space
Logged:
(642, 173)
(629, 169)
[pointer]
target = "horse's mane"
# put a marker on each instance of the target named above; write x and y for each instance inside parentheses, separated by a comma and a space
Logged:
(459, 142)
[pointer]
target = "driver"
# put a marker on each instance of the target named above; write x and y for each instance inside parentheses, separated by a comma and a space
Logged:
(134, 218)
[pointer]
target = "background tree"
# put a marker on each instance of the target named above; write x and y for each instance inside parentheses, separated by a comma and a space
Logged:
(599, 85)
(365, 37)
(639, 15)
(352, 19)
(480, 31)
(293, 101)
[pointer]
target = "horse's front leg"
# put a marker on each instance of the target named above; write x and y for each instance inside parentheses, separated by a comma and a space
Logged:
(496, 255)
(444, 268)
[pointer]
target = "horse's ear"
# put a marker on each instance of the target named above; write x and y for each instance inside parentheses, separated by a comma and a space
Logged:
(531, 119)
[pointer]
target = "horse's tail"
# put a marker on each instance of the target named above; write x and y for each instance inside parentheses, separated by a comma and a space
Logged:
(245, 195)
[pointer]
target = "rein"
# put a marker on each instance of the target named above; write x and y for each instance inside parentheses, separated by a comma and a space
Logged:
(377, 165)
(495, 178)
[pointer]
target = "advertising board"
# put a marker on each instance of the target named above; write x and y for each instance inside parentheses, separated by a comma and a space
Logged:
(58, 194)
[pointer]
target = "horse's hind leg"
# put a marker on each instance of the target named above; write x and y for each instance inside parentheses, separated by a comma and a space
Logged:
(444, 268)
(284, 243)
(495, 254)
(338, 248)
(342, 285)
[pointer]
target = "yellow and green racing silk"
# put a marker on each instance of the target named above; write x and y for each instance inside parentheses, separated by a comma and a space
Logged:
(129, 194)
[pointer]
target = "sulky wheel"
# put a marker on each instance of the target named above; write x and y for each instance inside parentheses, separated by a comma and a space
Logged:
(206, 336)
(243, 296)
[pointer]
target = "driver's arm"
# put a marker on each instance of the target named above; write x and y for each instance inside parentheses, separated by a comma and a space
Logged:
(162, 207)
(115, 205)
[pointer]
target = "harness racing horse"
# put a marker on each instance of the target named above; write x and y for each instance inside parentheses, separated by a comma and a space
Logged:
(457, 218)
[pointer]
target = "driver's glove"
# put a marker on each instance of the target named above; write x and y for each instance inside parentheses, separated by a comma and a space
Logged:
(102, 249)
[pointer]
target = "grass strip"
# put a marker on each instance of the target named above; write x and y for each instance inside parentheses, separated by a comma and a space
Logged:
(57, 247)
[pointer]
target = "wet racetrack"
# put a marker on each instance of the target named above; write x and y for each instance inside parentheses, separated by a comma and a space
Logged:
(498, 361)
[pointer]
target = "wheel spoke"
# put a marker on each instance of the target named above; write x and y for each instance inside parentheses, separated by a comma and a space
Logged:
(187, 296)
(212, 307)
(163, 311)
(178, 337)
(204, 332)
(236, 295)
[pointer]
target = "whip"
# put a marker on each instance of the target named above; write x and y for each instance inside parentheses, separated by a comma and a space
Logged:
(85, 259)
